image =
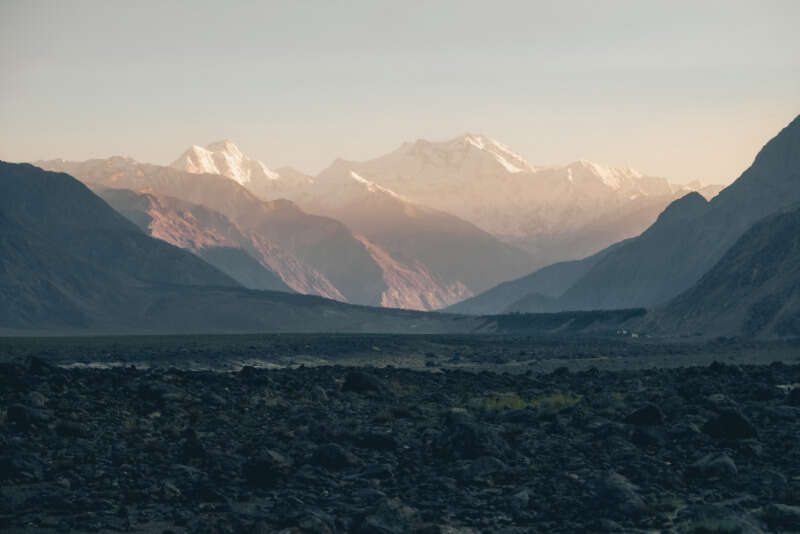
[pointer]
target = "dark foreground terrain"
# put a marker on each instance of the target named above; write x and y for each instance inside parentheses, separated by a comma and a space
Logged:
(332, 448)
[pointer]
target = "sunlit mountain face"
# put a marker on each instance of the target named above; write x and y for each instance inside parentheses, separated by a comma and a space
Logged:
(554, 213)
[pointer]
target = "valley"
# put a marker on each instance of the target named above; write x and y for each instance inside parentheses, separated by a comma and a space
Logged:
(448, 267)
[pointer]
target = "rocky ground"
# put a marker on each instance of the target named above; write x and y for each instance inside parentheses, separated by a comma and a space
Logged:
(326, 449)
(512, 353)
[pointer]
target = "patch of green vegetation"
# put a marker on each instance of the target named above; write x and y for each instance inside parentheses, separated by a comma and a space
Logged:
(503, 401)
(556, 402)
(403, 390)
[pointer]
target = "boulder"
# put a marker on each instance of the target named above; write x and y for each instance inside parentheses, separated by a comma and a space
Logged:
(649, 415)
(730, 425)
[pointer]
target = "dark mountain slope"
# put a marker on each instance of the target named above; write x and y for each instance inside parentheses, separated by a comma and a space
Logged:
(539, 288)
(754, 290)
(198, 229)
(321, 244)
(457, 251)
(63, 252)
(68, 261)
(692, 235)
(243, 268)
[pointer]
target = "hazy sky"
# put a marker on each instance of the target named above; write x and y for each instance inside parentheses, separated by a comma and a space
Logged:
(679, 89)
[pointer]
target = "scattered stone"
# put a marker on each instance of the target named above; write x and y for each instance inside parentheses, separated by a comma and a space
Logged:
(466, 439)
(266, 471)
(376, 471)
(520, 500)
(484, 466)
(376, 441)
(72, 429)
(333, 456)
(362, 382)
(24, 416)
(730, 425)
(718, 465)
(389, 517)
(782, 516)
(36, 399)
(717, 519)
(115, 450)
(616, 493)
(649, 437)
(318, 394)
(649, 415)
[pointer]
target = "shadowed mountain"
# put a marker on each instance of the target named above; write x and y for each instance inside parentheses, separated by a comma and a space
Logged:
(67, 256)
(69, 261)
(303, 244)
(458, 252)
(691, 235)
(754, 290)
(198, 229)
(534, 293)
(429, 258)
(414, 203)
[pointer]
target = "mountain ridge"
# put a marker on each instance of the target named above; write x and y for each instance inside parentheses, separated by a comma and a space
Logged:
(675, 252)
(752, 291)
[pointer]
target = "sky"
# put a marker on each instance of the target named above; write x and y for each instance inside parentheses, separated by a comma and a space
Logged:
(681, 89)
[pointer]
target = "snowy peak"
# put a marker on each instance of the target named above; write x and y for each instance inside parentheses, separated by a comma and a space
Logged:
(500, 153)
(341, 184)
(506, 157)
(224, 158)
(372, 187)
(612, 177)
(472, 150)
(227, 146)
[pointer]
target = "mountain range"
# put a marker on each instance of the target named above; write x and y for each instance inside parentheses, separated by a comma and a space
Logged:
(174, 249)
(424, 227)
(68, 261)
(320, 255)
(553, 212)
(689, 237)
(205, 232)
(753, 290)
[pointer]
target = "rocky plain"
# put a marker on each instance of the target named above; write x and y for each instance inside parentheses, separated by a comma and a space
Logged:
(398, 434)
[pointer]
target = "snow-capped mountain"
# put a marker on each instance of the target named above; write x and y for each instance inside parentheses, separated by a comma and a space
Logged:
(225, 158)
(484, 181)
(543, 209)
(429, 197)
(455, 251)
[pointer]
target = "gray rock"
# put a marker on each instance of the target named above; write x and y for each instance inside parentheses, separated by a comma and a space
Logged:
(730, 425)
(649, 415)
(36, 399)
(485, 465)
(333, 456)
(362, 382)
(714, 465)
(616, 493)
(389, 517)
(782, 516)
